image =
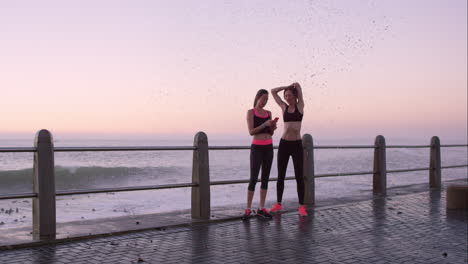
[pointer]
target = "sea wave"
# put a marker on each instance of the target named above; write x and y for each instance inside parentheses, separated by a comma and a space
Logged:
(67, 178)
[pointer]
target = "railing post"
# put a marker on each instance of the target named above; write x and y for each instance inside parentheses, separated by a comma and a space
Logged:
(201, 176)
(309, 172)
(380, 167)
(44, 217)
(435, 174)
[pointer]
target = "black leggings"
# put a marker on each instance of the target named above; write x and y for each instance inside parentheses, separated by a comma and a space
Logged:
(260, 156)
(290, 148)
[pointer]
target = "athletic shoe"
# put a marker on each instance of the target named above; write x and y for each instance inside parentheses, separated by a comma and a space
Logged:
(263, 213)
(247, 214)
(302, 211)
(276, 207)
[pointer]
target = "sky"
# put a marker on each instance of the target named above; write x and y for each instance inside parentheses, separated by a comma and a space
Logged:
(141, 68)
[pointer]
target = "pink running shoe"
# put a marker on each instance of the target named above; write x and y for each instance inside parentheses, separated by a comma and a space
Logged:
(247, 214)
(263, 212)
(302, 211)
(276, 207)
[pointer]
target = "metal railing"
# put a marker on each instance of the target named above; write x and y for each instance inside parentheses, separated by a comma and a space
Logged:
(44, 194)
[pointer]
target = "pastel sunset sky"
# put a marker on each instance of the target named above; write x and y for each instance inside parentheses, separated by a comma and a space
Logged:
(391, 67)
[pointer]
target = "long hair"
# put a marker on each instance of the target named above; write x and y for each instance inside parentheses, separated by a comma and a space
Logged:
(293, 90)
(259, 94)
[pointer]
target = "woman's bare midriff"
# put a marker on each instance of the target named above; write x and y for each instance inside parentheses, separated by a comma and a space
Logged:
(262, 136)
(292, 131)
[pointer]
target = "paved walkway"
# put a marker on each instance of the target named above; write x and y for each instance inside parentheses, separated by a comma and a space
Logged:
(414, 228)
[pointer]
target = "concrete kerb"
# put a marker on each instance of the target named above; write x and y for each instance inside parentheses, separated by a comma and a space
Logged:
(194, 222)
(219, 215)
(136, 230)
(157, 228)
(108, 234)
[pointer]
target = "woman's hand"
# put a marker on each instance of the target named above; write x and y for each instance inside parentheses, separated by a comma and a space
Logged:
(269, 123)
(274, 126)
(273, 123)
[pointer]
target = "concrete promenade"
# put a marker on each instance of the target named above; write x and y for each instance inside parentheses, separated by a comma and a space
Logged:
(405, 228)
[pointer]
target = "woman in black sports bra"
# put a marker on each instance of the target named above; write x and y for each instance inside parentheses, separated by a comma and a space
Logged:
(291, 142)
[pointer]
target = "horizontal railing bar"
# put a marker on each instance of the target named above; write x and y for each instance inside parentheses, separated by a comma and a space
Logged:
(231, 147)
(126, 189)
(18, 196)
(152, 148)
(344, 147)
(231, 182)
(454, 166)
(408, 170)
(408, 146)
(343, 174)
(245, 181)
(325, 147)
(185, 185)
(149, 148)
(453, 145)
(18, 149)
(276, 147)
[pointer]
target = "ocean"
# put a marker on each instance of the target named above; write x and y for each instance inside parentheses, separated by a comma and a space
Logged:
(83, 170)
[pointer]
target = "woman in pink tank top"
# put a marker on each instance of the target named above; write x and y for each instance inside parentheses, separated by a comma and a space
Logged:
(261, 127)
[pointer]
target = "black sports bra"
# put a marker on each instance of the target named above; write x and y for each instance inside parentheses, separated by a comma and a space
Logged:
(259, 120)
(292, 117)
